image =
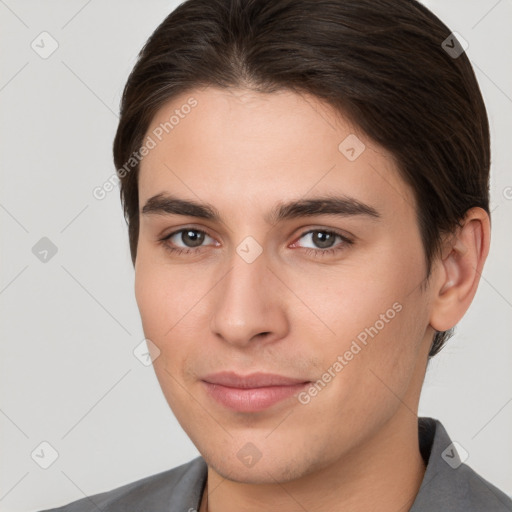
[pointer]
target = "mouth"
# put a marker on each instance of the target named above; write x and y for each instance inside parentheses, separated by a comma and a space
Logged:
(251, 393)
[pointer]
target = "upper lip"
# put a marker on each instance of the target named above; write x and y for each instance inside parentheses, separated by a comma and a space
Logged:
(253, 380)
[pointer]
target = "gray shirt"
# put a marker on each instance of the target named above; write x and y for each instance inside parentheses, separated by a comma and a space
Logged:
(448, 485)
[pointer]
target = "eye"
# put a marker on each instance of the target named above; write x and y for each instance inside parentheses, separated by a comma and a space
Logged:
(185, 240)
(322, 242)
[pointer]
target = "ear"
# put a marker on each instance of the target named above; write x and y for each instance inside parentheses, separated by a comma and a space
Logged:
(459, 268)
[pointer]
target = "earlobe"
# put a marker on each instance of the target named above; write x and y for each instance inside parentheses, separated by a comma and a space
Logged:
(459, 270)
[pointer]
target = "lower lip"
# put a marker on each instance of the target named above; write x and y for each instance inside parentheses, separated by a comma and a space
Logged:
(251, 399)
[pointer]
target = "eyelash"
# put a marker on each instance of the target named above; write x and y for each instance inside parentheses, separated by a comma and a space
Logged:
(308, 250)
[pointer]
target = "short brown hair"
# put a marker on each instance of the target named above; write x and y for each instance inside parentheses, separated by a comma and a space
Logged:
(384, 64)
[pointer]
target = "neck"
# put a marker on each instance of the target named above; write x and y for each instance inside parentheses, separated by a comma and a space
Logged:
(385, 474)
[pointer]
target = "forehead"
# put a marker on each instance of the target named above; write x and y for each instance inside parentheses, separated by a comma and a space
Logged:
(231, 144)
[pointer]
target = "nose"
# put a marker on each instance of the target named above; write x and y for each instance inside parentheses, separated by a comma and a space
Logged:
(249, 304)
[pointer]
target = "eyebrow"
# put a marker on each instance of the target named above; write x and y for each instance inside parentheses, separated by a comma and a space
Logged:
(344, 206)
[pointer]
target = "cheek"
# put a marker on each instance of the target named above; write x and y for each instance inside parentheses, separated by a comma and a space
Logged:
(151, 297)
(161, 300)
(345, 303)
(164, 296)
(173, 305)
(374, 317)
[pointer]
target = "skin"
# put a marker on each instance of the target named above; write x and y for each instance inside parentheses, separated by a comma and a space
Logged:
(293, 311)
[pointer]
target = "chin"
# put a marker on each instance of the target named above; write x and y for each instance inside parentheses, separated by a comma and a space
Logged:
(263, 474)
(282, 467)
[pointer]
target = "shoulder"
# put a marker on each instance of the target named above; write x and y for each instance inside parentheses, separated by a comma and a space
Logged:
(179, 488)
(449, 483)
(478, 493)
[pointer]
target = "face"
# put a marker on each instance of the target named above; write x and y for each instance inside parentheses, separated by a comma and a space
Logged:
(305, 261)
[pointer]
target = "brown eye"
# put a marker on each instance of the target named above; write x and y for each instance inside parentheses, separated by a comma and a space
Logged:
(323, 239)
(186, 238)
(322, 242)
(192, 237)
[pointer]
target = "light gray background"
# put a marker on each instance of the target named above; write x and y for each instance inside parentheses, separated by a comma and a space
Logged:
(69, 326)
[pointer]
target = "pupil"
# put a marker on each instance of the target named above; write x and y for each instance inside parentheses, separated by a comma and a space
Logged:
(323, 239)
(195, 237)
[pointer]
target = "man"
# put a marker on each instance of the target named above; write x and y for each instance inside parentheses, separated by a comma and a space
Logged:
(305, 233)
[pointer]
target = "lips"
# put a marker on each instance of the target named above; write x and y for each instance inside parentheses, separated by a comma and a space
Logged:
(251, 393)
